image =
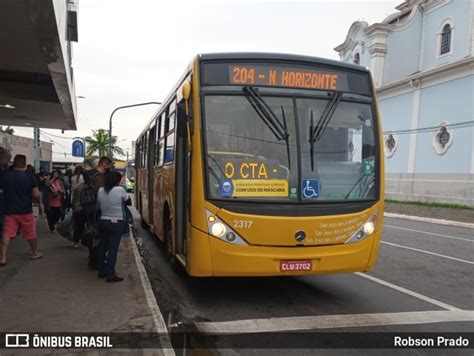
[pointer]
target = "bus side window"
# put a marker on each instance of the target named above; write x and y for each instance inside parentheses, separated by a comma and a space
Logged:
(139, 153)
(161, 141)
(142, 151)
(157, 139)
(145, 150)
(169, 153)
(171, 116)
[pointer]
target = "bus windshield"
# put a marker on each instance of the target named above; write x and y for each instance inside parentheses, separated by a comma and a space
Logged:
(320, 157)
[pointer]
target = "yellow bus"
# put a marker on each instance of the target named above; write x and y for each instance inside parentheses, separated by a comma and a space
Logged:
(265, 165)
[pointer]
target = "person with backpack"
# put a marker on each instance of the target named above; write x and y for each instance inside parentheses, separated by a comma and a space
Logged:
(89, 213)
(89, 207)
(111, 199)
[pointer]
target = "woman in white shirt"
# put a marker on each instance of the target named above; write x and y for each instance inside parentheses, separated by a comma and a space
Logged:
(111, 199)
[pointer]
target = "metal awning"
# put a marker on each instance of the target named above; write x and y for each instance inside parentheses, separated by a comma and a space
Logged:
(36, 76)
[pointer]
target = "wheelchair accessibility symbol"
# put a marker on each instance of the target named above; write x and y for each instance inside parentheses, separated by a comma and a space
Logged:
(309, 188)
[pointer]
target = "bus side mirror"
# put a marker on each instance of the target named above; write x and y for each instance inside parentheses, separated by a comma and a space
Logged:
(186, 91)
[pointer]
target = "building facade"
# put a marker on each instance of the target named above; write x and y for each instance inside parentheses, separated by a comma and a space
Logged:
(25, 146)
(422, 62)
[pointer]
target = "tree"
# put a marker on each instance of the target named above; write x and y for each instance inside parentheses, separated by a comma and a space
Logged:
(99, 142)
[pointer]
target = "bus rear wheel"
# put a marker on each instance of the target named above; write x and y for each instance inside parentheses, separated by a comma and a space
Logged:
(169, 245)
(143, 223)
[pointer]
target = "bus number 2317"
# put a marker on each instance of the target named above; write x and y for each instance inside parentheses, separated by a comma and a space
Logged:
(243, 224)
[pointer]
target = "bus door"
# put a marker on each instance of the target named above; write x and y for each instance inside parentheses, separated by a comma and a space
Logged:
(182, 180)
(158, 176)
(150, 170)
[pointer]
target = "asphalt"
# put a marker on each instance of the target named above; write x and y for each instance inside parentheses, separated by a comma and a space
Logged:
(424, 270)
(441, 270)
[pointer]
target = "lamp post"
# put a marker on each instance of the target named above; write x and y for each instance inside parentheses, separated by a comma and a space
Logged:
(124, 107)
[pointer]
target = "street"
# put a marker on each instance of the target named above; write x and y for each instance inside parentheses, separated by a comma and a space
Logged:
(423, 282)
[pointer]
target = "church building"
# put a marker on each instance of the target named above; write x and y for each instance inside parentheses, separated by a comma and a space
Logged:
(422, 63)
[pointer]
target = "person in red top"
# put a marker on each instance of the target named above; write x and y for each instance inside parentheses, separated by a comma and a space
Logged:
(55, 192)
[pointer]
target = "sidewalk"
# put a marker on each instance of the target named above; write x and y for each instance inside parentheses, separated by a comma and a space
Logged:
(58, 293)
(461, 215)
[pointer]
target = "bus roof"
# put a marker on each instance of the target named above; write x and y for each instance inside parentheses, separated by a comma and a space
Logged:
(252, 56)
(279, 57)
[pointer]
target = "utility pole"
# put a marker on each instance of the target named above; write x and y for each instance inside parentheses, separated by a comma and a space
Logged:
(126, 167)
(36, 133)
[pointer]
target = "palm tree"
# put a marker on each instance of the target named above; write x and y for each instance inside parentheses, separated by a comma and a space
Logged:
(7, 130)
(99, 142)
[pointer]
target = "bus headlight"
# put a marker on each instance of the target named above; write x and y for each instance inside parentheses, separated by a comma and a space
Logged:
(218, 229)
(367, 229)
(222, 231)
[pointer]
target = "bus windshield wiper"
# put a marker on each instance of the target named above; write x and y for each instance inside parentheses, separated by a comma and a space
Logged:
(367, 184)
(278, 128)
(316, 132)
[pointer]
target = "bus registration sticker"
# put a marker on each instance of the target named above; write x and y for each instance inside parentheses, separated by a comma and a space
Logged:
(295, 265)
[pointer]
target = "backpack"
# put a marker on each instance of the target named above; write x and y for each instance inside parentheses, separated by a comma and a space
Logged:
(88, 200)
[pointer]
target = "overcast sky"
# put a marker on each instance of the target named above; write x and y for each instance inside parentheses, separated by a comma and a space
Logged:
(134, 51)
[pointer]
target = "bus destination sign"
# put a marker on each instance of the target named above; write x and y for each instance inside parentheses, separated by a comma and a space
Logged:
(285, 77)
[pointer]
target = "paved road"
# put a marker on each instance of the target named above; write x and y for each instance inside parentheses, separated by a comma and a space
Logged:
(423, 279)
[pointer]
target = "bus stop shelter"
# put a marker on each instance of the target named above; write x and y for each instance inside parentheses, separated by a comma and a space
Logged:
(36, 75)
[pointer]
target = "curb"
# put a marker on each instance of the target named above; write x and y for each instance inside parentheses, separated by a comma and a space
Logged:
(158, 320)
(430, 220)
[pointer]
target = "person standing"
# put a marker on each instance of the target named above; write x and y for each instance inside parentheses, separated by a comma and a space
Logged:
(3, 169)
(111, 199)
(97, 178)
(78, 217)
(104, 166)
(66, 199)
(41, 176)
(54, 191)
(20, 190)
(78, 177)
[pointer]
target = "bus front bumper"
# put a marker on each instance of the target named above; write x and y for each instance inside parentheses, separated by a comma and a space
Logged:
(236, 260)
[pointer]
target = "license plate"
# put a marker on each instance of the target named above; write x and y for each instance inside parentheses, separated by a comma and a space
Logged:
(296, 265)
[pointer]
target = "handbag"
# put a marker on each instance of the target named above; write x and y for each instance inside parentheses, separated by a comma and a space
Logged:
(66, 228)
(90, 234)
